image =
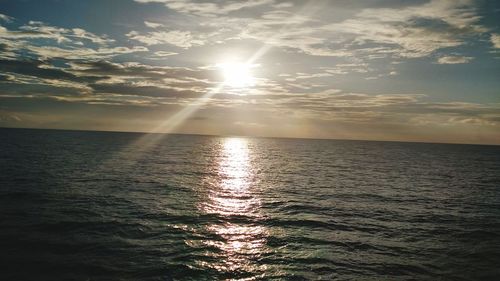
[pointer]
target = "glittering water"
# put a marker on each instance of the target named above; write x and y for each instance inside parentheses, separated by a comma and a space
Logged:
(117, 206)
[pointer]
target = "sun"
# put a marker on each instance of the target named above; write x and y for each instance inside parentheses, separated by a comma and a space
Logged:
(237, 75)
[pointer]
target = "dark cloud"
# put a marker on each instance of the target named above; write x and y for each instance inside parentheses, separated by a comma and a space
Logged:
(40, 69)
(4, 77)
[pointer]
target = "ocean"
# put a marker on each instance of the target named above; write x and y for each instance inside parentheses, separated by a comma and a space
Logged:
(79, 205)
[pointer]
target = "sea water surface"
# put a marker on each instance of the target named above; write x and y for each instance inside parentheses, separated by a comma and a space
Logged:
(78, 205)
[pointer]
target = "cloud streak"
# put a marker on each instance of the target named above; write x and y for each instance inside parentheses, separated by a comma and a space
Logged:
(454, 60)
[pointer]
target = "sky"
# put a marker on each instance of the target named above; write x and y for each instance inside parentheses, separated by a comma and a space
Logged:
(375, 70)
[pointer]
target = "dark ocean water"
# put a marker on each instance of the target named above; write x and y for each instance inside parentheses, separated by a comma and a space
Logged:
(123, 206)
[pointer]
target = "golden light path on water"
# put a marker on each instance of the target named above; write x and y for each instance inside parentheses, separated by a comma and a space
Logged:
(231, 196)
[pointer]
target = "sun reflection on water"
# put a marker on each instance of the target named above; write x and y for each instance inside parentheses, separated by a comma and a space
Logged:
(233, 199)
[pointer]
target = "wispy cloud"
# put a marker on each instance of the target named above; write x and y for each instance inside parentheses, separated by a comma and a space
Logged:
(413, 31)
(6, 18)
(495, 40)
(454, 59)
(74, 43)
(182, 39)
(152, 24)
(208, 9)
(40, 30)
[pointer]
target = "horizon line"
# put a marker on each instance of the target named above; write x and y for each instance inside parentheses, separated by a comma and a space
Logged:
(247, 136)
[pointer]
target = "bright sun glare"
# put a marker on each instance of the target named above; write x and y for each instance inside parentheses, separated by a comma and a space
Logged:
(237, 75)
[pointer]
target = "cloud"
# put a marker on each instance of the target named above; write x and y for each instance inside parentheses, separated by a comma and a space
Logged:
(36, 69)
(165, 54)
(134, 85)
(7, 117)
(392, 31)
(132, 89)
(153, 24)
(495, 40)
(206, 8)
(143, 71)
(358, 41)
(37, 30)
(83, 34)
(283, 5)
(182, 39)
(6, 18)
(80, 80)
(454, 60)
(49, 52)
(75, 43)
(405, 110)
(405, 31)
(345, 68)
(415, 31)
